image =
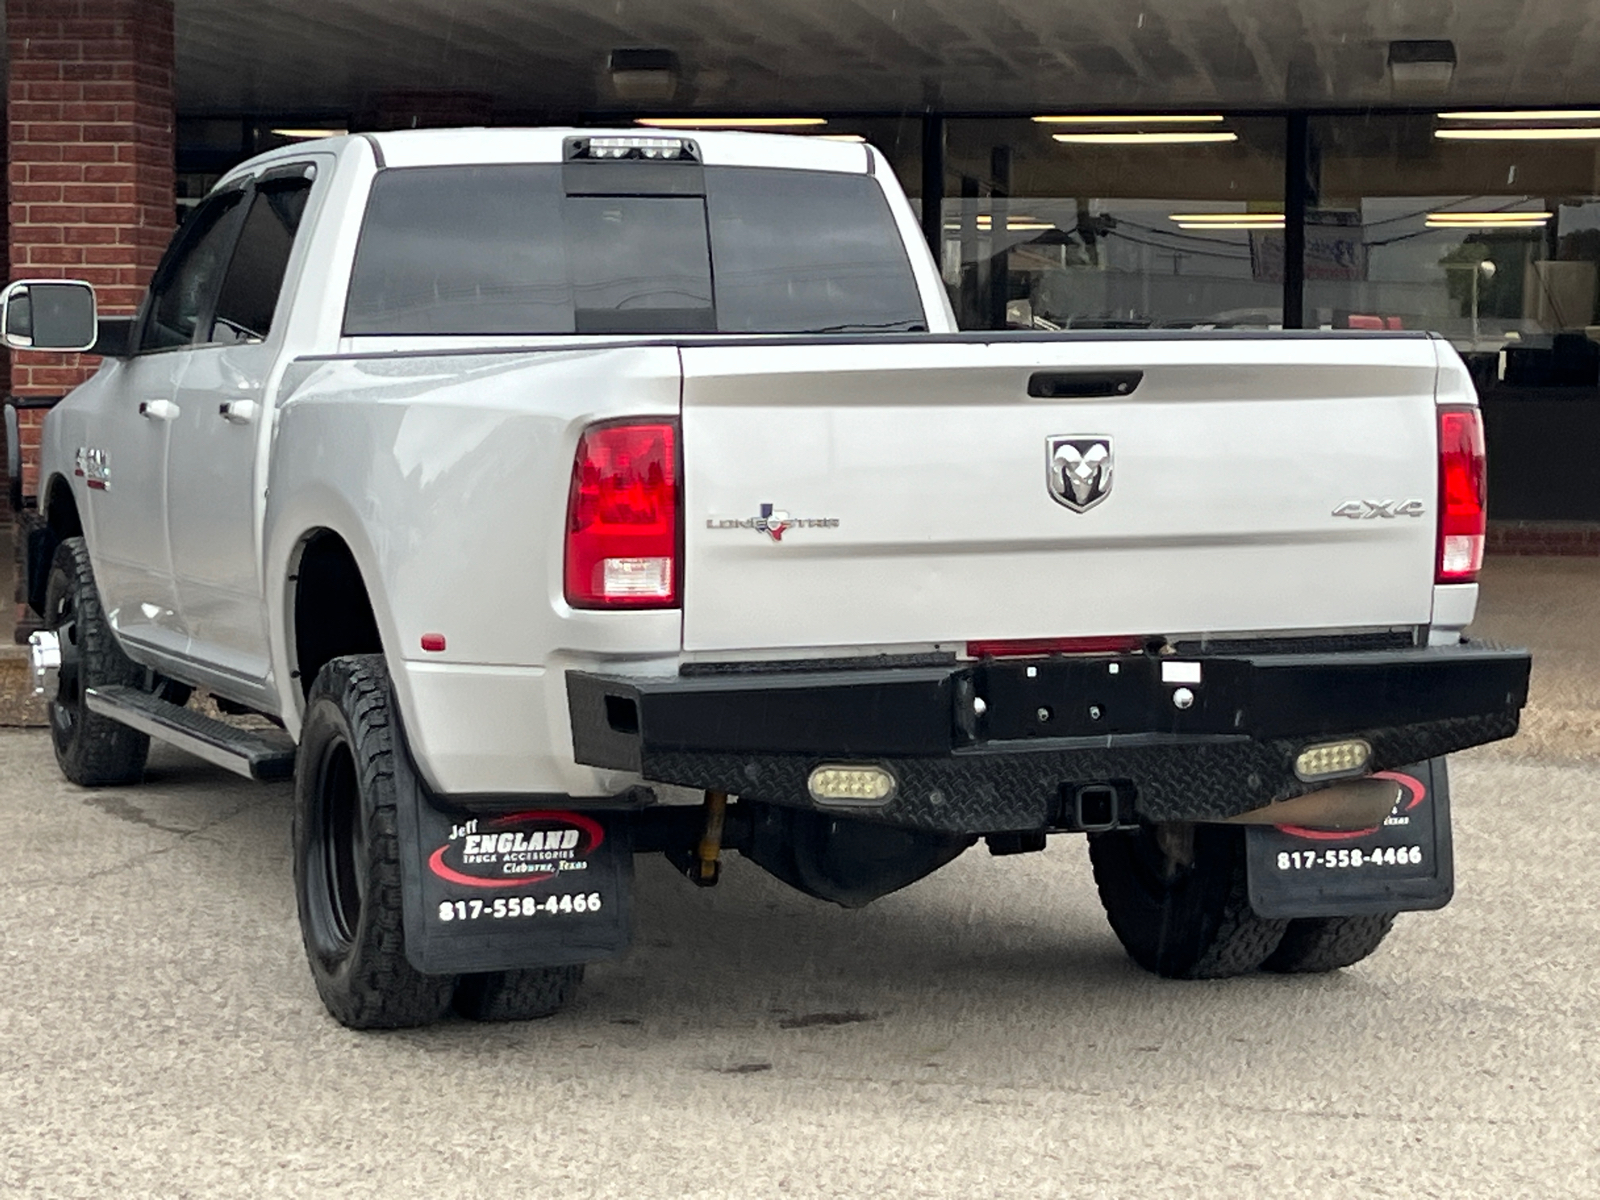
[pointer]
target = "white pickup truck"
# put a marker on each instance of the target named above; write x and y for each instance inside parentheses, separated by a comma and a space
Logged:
(558, 495)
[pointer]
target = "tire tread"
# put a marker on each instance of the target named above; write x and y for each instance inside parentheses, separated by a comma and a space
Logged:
(379, 989)
(1317, 944)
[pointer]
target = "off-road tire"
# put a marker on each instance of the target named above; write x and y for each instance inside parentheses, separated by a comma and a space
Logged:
(517, 995)
(1315, 944)
(92, 750)
(347, 854)
(1184, 915)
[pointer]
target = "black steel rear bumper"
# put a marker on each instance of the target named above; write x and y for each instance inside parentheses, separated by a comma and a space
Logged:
(1003, 744)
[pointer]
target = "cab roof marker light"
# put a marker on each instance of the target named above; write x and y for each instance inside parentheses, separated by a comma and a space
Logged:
(664, 149)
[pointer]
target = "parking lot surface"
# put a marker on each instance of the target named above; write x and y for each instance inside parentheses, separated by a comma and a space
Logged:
(978, 1034)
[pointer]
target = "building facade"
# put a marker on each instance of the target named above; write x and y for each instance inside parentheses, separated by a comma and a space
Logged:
(1337, 164)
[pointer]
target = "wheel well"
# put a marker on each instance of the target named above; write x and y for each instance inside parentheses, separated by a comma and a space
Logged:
(332, 614)
(41, 537)
(61, 510)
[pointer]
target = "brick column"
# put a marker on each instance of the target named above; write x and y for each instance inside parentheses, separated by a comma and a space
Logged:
(90, 163)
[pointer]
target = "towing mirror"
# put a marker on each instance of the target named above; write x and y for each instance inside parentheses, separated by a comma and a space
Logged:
(48, 314)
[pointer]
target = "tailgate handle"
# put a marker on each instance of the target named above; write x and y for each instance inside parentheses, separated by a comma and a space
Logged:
(1068, 385)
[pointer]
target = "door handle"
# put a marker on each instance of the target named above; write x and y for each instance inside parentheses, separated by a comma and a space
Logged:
(158, 410)
(1082, 385)
(237, 412)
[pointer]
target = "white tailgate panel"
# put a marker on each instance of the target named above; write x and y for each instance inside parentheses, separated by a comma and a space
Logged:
(1229, 460)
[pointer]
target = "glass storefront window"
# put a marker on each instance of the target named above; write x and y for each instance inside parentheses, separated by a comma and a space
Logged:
(1492, 241)
(1139, 230)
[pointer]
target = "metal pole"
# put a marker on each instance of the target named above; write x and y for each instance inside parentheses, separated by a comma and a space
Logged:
(1297, 189)
(933, 185)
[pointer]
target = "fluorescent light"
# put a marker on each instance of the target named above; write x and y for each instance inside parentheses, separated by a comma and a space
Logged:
(1278, 224)
(1174, 138)
(1212, 218)
(1527, 114)
(309, 133)
(729, 122)
(1131, 119)
(1539, 133)
(1473, 218)
(985, 224)
(1486, 222)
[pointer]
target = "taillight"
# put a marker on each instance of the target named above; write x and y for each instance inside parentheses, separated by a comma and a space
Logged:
(622, 517)
(1463, 495)
(1033, 647)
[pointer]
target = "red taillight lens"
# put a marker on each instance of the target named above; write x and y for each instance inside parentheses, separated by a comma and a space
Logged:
(1033, 647)
(622, 517)
(1463, 495)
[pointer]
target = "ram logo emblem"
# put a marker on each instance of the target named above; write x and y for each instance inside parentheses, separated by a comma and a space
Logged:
(1078, 470)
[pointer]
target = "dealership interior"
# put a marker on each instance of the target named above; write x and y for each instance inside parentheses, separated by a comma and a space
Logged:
(1338, 164)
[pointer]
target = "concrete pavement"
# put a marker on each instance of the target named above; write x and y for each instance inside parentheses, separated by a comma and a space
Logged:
(979, 1034)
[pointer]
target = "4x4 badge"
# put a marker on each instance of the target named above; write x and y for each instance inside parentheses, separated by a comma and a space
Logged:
(1078, 470)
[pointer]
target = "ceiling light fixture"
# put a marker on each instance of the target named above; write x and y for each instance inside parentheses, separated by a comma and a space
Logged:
(1472, 218)
(309, 133)
(1209, 218)
(1422, 68)
(730, 122)
(643, 75)
(1175, 138)
(1526, 114)
(1278, 224)
(1133, 119)
(1527, 133)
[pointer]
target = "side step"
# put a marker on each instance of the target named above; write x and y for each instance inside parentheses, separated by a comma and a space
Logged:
(243, 751)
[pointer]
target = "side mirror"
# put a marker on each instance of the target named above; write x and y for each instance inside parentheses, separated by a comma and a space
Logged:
(48, 314)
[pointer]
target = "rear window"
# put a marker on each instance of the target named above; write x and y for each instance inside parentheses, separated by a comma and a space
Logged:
(506, 249)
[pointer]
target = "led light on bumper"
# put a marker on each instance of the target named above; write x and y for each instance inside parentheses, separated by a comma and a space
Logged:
(838, 785)
(1331, 760)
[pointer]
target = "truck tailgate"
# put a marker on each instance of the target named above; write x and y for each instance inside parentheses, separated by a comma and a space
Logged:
(892, 492)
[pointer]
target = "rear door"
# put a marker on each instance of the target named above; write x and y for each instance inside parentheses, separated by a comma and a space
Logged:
(214, 477)
(934, 491)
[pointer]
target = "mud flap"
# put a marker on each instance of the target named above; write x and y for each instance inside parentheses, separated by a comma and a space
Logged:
(1402, 865)
(501, 892)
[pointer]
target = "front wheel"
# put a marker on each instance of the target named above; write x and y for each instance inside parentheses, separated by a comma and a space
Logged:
(347, 854)
(1177, 897)
(92, 750)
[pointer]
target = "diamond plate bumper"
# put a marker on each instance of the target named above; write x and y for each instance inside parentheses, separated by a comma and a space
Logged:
(1001, 745)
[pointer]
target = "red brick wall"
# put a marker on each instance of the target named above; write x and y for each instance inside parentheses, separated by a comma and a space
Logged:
(90, 161)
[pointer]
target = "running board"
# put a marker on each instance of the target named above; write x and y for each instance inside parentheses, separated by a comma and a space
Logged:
(242, 751)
